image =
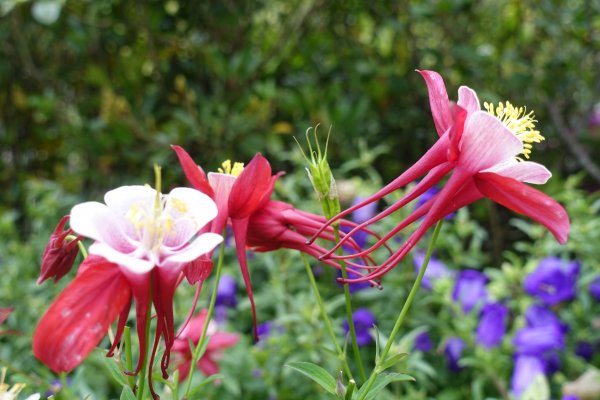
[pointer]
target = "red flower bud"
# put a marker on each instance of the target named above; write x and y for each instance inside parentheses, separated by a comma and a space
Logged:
(59, 255)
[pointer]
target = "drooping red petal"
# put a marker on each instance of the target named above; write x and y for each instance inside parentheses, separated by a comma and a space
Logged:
(526, 200)
(250, 187)
(194, 174)
(438, 101)
(140, 289)
(80, 316)
(240, 232)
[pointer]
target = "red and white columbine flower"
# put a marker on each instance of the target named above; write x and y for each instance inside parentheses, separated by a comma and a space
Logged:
(481, 150)
(143, 241)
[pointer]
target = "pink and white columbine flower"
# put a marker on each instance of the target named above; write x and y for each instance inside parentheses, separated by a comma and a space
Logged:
(143, 241)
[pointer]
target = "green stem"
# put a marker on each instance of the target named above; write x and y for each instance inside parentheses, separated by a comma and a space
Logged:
(352, 329)
(142, 380)
(325, 317)
(198, 350)
(129, 357)
(80, 245)
(404, 311)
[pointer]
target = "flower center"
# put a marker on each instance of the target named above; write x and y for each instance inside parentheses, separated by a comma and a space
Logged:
(519, 121)
(151, 223)
(234, 170)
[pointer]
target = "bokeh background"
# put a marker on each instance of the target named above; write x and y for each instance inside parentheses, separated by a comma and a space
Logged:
(92, 93)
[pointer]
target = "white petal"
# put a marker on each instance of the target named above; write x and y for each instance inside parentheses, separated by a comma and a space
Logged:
(96, 221)
(467, 99)
(486, 142)
(524, 171)
(201, 245)
(122, 199)
(134, 264)
(191, 210)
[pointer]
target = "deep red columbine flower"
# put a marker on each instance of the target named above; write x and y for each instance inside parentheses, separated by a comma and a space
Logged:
(143, 241)
(217, 342)
(59, 255)
(480, 151)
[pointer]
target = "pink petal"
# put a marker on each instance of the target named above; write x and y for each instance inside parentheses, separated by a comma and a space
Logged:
(191, 210)
(467, 99)
(525, 200)
(194, 174)
(96, 221)
(203, 244)
(250, 187)
(208, 366)
(524, 171)
(222, 340)
(486, 142)
(80, 317)
(222, 184)
(132, 262)
(438, 101)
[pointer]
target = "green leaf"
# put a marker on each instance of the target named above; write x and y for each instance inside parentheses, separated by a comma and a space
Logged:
(392, 360)
(315, 373)
(127, 394)
(381, 382)
(114, 368)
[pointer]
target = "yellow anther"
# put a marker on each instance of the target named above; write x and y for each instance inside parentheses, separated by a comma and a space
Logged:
(519, 121)
(236, 170)
(178, 205)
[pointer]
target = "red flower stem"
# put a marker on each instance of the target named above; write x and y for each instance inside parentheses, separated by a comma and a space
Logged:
(142, 379)
(213, 299)
(411, 295)
(325, 317)
(129, 357)
(355, 349)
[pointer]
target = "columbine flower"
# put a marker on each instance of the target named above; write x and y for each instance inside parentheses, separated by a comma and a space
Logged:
(481, 149)
(59, 255)
(363, 323)
(554, 280)
(435, 269)
(469, 289)
(594, 288)
(492, 325)
(238, 192)
(218, 341)
(453, 351)
(143, 241)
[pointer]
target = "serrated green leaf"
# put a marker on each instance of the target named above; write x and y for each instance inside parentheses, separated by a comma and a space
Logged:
(392, 360)
(381, 382)
(127, 394)
(316, 373)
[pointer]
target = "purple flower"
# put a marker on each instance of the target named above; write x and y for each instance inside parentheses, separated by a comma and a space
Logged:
(584, 350)
(551, 362)
(425, 197)
(226, 292)
(264, 330)
(526, 369)
(538, 315)
(353, 287)
(363, 322)
(453, 351)
(364, 213)
(435, 269)
(423, 342)
(470, 289)
(553, 280)
(594, 119)
(595, 288)
(492, 325)
(570, 397)
(539, 340)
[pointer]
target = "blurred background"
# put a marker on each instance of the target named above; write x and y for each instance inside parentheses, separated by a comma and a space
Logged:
(92, 93)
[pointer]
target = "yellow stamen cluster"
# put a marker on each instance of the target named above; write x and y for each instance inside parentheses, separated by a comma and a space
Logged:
(519, 121)
(7, 392)
(236, 170)
(152, 224)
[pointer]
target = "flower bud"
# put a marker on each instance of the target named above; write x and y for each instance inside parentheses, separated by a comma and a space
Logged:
(60, 253)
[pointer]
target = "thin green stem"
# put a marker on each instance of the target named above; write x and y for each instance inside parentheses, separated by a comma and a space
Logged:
(142, 379)
(404, 310)
(213, 299)
(80, 245)
(325, 317)
(351, 328)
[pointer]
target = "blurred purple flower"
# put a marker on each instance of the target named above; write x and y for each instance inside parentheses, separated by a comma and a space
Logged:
(594, 119)
(470, 289)
(492, 325)
(570, 397)
(539, 340)
(226, 292)
(551, 362)
(538, 315)
(359, 216)
(585, 350)
(353, 287)
(425, 197)
(423, 342)
(594, 288)
(264, 330)
(526, 369)
(435, 269)
(553, 280)
(453, 351)
(363, 322)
